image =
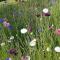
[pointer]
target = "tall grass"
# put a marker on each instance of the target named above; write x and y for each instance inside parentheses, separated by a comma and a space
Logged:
(22, 14)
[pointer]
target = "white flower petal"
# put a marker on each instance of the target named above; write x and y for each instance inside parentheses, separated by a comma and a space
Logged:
(23, 31)
(45, 10)
(2, 44)
(57, 49)
(28, 57)
(12, 37)
(33, 42)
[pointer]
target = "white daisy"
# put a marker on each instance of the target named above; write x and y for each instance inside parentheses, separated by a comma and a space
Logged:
(24, 30)
(57, 49)
(2, 44)
(12, 37)
(45, 10)
(33, 42)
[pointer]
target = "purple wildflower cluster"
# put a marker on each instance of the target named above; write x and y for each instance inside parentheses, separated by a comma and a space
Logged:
(13, 51)
(6, 24)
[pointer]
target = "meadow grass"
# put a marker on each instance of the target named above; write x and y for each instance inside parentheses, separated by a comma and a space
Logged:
(21, 15)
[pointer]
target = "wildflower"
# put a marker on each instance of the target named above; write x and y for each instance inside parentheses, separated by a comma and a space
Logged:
(57, 49)
(23, 31)
(1, 20)
(25, 58)
(8, 59)
(48, 49)
(2, 44)
(10, 27)
(47, 14)
(6, 24)
(45, 10)
(50, 27)
(13, 51)
(28, 57)
(57, 31)
(12, 37)
(33, 42)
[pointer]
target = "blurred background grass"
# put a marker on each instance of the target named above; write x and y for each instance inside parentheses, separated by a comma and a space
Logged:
(20, 15)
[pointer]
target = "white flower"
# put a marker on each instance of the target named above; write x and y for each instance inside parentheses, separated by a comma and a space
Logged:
(48, 49)
(28, 57)
(25, 57)
(23, 31)
(57, 49)
(45, 10)
(9, 41)
(33, 42)
(12, 37)
(2, 44)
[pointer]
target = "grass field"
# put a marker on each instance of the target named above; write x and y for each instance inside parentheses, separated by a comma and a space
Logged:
(23, 15)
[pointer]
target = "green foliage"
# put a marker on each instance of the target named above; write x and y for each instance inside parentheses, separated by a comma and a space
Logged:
(24, 14)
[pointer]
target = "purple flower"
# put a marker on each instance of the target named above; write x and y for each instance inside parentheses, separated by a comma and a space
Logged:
(46, 14)
(1, 20)
(10, 27)
(12, 51)
(6, 24)
(8, 59)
